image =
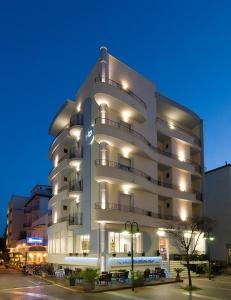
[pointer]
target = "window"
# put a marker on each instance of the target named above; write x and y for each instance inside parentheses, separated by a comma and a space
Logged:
(125, 163)
(65, 179)
(65, 150)
(64, 207)
(121, 242)
(167, 175)
(85, 243)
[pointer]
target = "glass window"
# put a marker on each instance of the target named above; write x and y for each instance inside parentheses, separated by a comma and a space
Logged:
(85, 243)
(121, 242)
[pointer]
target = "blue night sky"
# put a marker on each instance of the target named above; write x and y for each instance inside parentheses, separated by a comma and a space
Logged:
(48, 47)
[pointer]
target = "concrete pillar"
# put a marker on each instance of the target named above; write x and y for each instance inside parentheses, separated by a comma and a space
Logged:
(103, 64)
(102, 246)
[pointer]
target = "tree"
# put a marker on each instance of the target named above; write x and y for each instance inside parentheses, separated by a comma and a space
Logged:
(186, 235)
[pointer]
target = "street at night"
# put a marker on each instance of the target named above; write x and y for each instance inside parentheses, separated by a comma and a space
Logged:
(15, 286)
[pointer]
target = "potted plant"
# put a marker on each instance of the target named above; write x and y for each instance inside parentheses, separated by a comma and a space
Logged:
(129, 253)
(143, 253)
(44, 270)
(178, 271)
(89, 276)
(138, 278)
(85, 254)
(71, 278)
(114, 254)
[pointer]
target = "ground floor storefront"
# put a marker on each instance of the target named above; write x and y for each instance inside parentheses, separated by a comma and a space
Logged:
(109, 247)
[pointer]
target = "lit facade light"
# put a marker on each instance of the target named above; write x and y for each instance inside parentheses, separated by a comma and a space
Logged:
(125, 116)
(75, 132)
(181, 156)
(171, 125)
(126, 151)
(187, 235)
(56, 189)
(161, 233)
(126, 188)
(183, 215)
(183, 186)
(124, 85)
(56, 161)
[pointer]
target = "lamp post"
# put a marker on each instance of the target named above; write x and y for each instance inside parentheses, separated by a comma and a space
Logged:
(209, 238)
(134, 228)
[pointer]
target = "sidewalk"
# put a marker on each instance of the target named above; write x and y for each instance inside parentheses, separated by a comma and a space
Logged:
(104, 288)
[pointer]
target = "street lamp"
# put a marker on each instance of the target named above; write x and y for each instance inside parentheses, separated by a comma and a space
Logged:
(134, 228)
(209, 238)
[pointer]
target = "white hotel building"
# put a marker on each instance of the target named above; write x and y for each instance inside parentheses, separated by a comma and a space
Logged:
(121, 151)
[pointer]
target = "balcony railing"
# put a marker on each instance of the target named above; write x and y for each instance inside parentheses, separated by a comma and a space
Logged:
(132, 209)
(76, 119)
(113, 164)
(108, 122)
(72, 186)
(76, 219)
(120, 86)
(71, 219)
(178, 128)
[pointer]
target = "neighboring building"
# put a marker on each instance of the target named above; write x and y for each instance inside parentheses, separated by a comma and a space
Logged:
(31, 245)
(122, 151)
(15, 213)
(218, 208)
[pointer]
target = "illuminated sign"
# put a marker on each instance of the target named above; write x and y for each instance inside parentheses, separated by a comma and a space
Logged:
(81, 261)
(32, 240)
(90, 136)
(141, 260)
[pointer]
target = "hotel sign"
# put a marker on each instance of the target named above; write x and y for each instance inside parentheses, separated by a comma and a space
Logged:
(32, 240)
(141, 260)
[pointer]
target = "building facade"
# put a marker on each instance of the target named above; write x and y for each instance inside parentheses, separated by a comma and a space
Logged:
(121, 151)
(218, 208)
(31, 228)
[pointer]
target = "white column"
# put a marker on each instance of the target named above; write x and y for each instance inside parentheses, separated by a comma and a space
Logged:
(103, 191)
(103, 64)
(102, 246)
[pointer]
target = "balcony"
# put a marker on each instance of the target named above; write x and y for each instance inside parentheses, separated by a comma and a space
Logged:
(68, 160)
(134, 210)
(72, 186)
(72, 220)
(76, 124)
(135, 140)
(170, 128)
(161, 187)
(120, 98)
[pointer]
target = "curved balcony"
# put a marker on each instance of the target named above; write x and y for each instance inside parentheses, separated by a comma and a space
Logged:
(141, 180)
(76, 125)
(69, 160)
(117, 132)
(170, 128)
(74, 188)
(134, 210)
(120, 98)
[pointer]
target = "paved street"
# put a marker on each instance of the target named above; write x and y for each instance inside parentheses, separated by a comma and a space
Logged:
(16, 286)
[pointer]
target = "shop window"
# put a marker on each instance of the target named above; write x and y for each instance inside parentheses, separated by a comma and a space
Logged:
(121, 242)
(85, 243)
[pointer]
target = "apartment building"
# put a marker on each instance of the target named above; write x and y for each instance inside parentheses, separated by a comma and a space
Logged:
(218, 208)
(121, 152)
(30, 225)
(15, 213)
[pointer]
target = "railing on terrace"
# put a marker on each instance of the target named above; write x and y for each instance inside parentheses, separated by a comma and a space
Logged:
(72, 186)
(120, 86)
(137, 210)
(113, 164)
(177, 127)
(71, 219)
(108, 122)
